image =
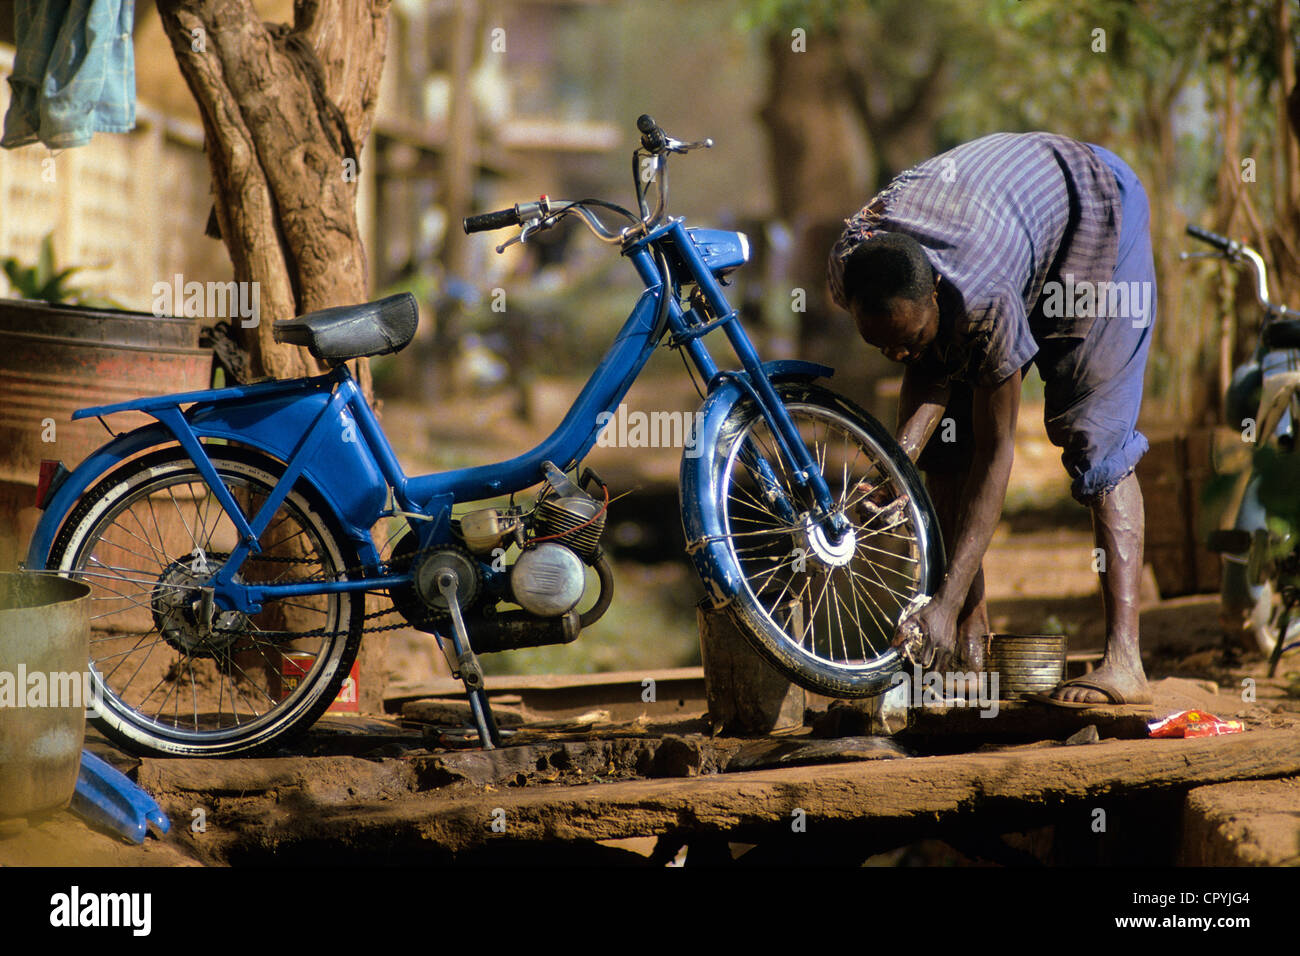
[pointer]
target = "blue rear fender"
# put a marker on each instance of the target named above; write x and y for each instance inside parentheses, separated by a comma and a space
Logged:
(345, 474)
(99, 463)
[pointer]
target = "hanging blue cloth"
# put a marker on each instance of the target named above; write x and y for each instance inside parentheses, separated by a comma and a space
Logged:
(74, 72)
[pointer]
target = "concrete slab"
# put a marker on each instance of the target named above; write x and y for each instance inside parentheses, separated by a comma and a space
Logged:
(1244, 823)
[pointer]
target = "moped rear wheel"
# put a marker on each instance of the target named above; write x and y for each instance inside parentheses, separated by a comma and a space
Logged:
(173, 675)
(823, 612)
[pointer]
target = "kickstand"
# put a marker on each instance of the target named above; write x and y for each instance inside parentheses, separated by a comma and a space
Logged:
(487, 724)
(464, 664)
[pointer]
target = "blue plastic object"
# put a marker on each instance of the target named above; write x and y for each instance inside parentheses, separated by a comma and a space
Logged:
(107, 797)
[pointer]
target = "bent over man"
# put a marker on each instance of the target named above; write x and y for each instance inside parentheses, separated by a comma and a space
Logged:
(1013, 250)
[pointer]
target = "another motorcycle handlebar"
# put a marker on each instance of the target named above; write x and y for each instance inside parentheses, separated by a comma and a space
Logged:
(1235, 251)
(1222, 243)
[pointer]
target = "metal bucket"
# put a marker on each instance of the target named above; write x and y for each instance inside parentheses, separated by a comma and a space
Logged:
(1026, 663)
(44, 649)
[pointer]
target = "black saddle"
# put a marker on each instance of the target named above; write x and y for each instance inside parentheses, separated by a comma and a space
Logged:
(353, 331)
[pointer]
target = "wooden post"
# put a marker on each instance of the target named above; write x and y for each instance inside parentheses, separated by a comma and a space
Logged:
(746, 695)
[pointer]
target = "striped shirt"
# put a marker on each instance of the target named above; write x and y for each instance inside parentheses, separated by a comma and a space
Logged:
(998, 217)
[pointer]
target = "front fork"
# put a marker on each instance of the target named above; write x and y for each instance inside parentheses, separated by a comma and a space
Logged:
(834, 523)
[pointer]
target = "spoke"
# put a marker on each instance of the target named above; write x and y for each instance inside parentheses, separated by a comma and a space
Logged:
(153, 515)
(267, 548)
(160, 558)
(133, 553)
(776, 462)
(839, 620)
(890, 554)
(884, 628)
(884, 532)
(145, 532)
(253, 712)
(901, 598)
(253, 683)
(186, 524)
(221, 693)
(770, 573)
(119, 595)
(305, 607)
(781, 594)
(885, 625)
(818, 603)
(120, 610)
(130, 650)
(757, 505)
(194, 689)
(121, 577)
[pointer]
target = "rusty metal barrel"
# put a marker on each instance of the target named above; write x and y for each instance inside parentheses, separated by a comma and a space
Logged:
(44, 690)
(55, 359)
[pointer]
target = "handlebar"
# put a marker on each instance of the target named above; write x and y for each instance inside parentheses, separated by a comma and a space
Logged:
(491, 220)
(545, 212)
(1222, 243)
(1235, 251)
(653, 138)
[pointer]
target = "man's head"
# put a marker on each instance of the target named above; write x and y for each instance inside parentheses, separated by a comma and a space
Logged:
(892, 292)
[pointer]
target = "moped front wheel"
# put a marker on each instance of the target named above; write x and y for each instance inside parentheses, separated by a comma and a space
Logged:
(1266, 619)
(822, 611)
(172, 674)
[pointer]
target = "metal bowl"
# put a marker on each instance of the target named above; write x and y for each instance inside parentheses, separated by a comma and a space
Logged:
(1026, 663)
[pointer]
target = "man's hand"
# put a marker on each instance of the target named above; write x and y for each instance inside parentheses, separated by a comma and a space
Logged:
(938, 625)
(870, 501)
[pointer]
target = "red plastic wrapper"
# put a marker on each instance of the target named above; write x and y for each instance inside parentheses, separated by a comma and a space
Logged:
(1213, 728)
(1193, 723)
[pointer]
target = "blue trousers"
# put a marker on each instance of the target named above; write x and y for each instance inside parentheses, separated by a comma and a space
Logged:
(1092, 386)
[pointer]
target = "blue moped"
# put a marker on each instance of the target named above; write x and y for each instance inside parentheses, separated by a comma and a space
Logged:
(231, 544)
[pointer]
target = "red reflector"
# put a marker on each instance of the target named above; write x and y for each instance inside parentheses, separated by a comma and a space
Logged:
(49, 468)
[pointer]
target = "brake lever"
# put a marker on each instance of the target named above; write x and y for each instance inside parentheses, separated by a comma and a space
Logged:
(530, 227)
(677, 146)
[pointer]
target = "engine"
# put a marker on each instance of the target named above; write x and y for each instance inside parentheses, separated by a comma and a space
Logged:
(559, 538)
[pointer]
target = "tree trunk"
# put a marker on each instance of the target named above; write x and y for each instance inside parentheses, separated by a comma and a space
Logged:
(285, 112)
(282, 108)
(819, 181)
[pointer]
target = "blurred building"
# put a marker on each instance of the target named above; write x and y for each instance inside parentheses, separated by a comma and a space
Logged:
(473, 106)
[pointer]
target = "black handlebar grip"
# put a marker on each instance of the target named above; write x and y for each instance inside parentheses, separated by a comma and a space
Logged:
(652, 137)
(1221, 243)
(491, 220)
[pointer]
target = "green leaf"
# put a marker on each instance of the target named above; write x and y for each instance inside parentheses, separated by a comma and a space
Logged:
(45, 261)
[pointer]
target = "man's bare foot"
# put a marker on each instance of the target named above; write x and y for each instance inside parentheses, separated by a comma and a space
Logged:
(1126, 685)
